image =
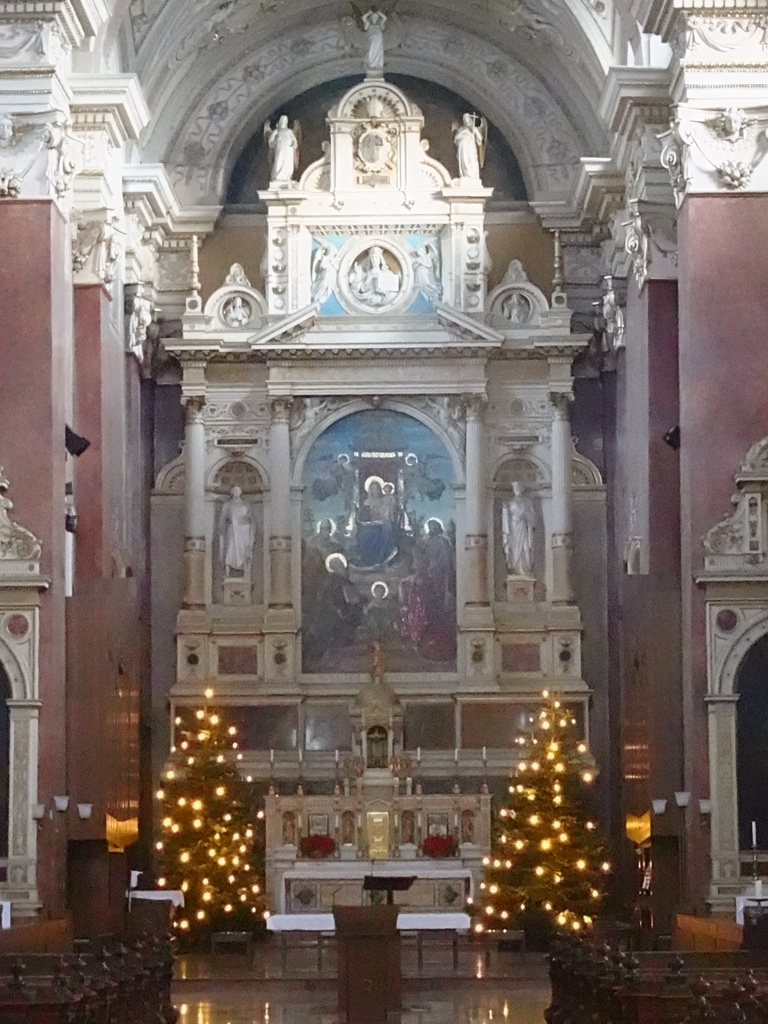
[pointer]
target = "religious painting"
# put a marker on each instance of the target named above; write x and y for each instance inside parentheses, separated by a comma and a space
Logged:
(378, 547)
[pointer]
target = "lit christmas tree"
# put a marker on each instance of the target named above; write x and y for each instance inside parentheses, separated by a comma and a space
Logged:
(209, 846)
(546, 858)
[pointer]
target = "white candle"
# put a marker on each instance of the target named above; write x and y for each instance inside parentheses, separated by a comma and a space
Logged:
(456, 754)
(758, 887)
(300, 756)
(484, 753)
(418, 753)
(337, 755)
(271, 756)
(754, 835)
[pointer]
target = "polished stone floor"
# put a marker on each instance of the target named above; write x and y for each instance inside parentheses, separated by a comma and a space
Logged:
(229, 988)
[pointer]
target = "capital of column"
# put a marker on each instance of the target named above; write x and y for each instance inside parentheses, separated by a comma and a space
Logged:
(475, 405)
(193, 407)
(281, 408)
(560, 401)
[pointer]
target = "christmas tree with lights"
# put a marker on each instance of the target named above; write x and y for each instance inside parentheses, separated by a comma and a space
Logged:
(209, 847)
(546, 862)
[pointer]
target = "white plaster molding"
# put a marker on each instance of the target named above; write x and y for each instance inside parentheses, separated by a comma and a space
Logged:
(109, 101)
(74, 20)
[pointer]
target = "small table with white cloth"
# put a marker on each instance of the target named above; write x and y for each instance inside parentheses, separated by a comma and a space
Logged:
(324, 926)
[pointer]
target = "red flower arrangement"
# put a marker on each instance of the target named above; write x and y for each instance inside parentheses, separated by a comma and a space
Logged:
(439, 846)
(316, 845)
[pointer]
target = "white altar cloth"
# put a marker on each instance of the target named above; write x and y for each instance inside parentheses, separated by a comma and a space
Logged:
(406, 922)
(748, 901)
(174, 896)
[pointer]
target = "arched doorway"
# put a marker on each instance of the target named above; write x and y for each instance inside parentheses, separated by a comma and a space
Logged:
(752, 745)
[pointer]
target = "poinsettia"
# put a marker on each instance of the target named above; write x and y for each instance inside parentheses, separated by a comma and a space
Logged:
(316, 845)
(439, 846)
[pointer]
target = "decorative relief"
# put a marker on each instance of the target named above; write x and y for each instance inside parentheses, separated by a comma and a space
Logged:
(97, 246)
(17, 544)
(515, 303)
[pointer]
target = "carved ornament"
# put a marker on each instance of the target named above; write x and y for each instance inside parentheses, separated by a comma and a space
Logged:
(17, 544)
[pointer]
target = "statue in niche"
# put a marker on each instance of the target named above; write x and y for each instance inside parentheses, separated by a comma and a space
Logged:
(408, 828)
(376, 747)
(517, 523)
(284, 142)
(289, 828)
(324, 272)
(372, 281)
(236, 312)
(426, 267)
(348, 828)
(467, 827)
(516, 308)
(236, 535)
(470, 139)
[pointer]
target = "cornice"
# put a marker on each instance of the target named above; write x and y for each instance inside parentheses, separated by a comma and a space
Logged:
(113, 101)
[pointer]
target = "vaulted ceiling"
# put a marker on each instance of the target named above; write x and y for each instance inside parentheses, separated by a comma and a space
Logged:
(213, 70)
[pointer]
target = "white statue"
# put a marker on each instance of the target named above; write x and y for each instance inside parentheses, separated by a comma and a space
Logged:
(284, 144)
(613, 317)
(470, 140)
(141, 318)
(372, 23)
(372, 281)
(426, 266)
(237, 312)
(517, 520)
(236, 534)
(6, 131)
(324, 272)
(516, 308)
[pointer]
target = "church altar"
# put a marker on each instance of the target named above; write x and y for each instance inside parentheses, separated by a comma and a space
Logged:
(374, 835)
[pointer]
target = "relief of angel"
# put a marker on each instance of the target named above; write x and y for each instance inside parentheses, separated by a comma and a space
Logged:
(426, 267)
(324, 272)
(471, 139)
(284, 143)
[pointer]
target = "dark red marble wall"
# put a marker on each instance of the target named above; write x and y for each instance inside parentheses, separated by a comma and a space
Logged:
(35, 399)
(723, 411)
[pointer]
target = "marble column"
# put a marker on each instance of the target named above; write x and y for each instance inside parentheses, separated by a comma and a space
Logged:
(194, 502)
(476, 531)
(280, 505)
(561, 535)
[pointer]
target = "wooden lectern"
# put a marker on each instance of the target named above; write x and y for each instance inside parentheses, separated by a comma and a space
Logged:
(368, 946)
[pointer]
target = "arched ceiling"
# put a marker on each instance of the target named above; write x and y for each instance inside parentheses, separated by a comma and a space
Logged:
(212, 70)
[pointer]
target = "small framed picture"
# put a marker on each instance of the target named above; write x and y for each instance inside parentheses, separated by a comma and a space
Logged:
(437, 824)
(318, 824)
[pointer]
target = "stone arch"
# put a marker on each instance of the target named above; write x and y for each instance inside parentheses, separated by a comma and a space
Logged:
(535, 473)
(170, 479)
(241, 470)
(200, 133)
(19, 676)
(5, 759)
(751, 749)
(23, 715)
(359, 405)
